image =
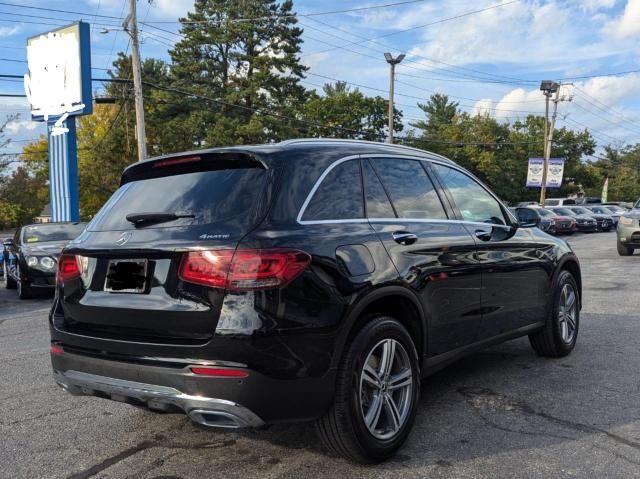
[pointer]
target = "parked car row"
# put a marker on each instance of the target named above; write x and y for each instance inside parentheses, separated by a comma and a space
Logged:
(568, 219)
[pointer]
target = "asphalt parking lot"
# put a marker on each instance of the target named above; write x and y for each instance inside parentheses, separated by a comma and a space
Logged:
(500, 413)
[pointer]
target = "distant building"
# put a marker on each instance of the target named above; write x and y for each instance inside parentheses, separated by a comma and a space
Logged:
(45, 215)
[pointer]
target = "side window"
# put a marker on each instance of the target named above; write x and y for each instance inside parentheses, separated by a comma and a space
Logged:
(339, 196)
(378, 205)
(473, 201)
(411, 191)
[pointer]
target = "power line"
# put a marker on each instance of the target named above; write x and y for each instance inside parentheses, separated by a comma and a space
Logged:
(373, 39)
(460, 76)
(59, 11)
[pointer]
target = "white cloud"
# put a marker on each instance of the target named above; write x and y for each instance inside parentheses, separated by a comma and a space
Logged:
(626, 25)
(482, 107)
(17, 126)
(595, 5)
(171, 9)
(611, 90)
(9, 31)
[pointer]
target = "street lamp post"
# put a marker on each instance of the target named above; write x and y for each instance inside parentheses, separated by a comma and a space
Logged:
(548, 88)
(392, 62)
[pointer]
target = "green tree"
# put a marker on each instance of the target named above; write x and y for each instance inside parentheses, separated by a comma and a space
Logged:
(246, 55)
(19, 198)
(346, 113)
(622, 167)
(498, 152)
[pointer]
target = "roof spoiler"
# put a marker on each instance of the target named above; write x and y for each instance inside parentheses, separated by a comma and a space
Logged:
(191, 162)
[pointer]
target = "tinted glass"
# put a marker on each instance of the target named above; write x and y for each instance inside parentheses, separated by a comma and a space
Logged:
(552, 202)
(581, 211)
(544, 212)
(410, 189)
(525, 214)
(601, 210)
(473, 201)
(564, 211)
(211, 196)
(378, 205)
(339, 196)
(51, 232)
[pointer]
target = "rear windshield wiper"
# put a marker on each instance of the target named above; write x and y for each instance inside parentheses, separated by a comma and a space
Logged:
(139, 219)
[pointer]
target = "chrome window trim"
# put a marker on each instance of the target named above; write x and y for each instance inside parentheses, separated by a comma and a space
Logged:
(452, 165)
(404, 220)
(315, 187)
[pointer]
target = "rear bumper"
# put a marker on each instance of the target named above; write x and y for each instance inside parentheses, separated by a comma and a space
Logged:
(204, 410)
(212, 401)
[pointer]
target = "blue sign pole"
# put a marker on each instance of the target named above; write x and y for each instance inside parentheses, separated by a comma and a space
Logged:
(58, 86)
(63, 171)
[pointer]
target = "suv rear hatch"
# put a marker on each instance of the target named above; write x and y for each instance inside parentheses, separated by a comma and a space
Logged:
(128, 286)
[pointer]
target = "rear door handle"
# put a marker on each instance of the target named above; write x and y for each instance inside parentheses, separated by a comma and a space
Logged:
(483, 235)
(404, 237)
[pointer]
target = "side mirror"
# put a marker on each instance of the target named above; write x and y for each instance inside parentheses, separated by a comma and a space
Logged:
(528, 224)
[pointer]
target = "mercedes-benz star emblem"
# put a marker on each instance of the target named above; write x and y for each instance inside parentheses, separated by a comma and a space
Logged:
(124, 238)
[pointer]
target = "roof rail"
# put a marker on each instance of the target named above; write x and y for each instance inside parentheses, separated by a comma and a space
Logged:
(365, 142)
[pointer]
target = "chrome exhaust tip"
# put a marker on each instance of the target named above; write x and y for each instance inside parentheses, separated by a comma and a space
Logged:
(219, 419)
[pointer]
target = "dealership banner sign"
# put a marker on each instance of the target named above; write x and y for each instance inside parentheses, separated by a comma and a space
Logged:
(555, 170)
(534, 173)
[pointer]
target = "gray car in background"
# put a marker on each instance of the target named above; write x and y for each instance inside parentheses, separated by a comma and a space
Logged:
(628, 232)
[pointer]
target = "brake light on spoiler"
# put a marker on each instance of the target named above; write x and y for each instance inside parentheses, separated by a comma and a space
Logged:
(243, 270)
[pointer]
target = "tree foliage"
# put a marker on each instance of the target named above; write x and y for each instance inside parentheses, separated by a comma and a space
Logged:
(345, 113)
(498, 152)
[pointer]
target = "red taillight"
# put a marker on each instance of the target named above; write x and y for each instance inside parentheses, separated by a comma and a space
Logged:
(244, 270)
(220, 372)
(68, 267)
(55, 349)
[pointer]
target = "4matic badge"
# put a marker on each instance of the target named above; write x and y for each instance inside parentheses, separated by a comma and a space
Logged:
(214, 237)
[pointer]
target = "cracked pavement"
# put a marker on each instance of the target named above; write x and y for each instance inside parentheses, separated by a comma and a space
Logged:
(500, 413)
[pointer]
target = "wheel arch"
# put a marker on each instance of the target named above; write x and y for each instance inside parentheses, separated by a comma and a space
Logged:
(394, 301)
(569, 262)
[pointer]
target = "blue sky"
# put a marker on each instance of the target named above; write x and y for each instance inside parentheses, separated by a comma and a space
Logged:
(490, 61)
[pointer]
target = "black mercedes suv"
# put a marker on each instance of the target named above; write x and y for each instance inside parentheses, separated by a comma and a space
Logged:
(305, 280)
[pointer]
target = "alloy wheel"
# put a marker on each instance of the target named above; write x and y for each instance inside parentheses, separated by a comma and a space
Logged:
(567, 313)
(386, 389)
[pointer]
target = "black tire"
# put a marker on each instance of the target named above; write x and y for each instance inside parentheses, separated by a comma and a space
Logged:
(548, 341)
(24, 291)
(9, 282)
(623, 249)
(342, 429)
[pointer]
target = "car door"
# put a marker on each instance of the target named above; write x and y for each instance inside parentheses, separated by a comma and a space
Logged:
(435, 257)
(514, 279)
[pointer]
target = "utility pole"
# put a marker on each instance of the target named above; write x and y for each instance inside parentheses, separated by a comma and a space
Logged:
(392, 62)
(548, 88)
(130, 25)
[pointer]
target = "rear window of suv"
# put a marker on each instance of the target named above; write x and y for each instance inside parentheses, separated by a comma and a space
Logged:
(210, 196)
